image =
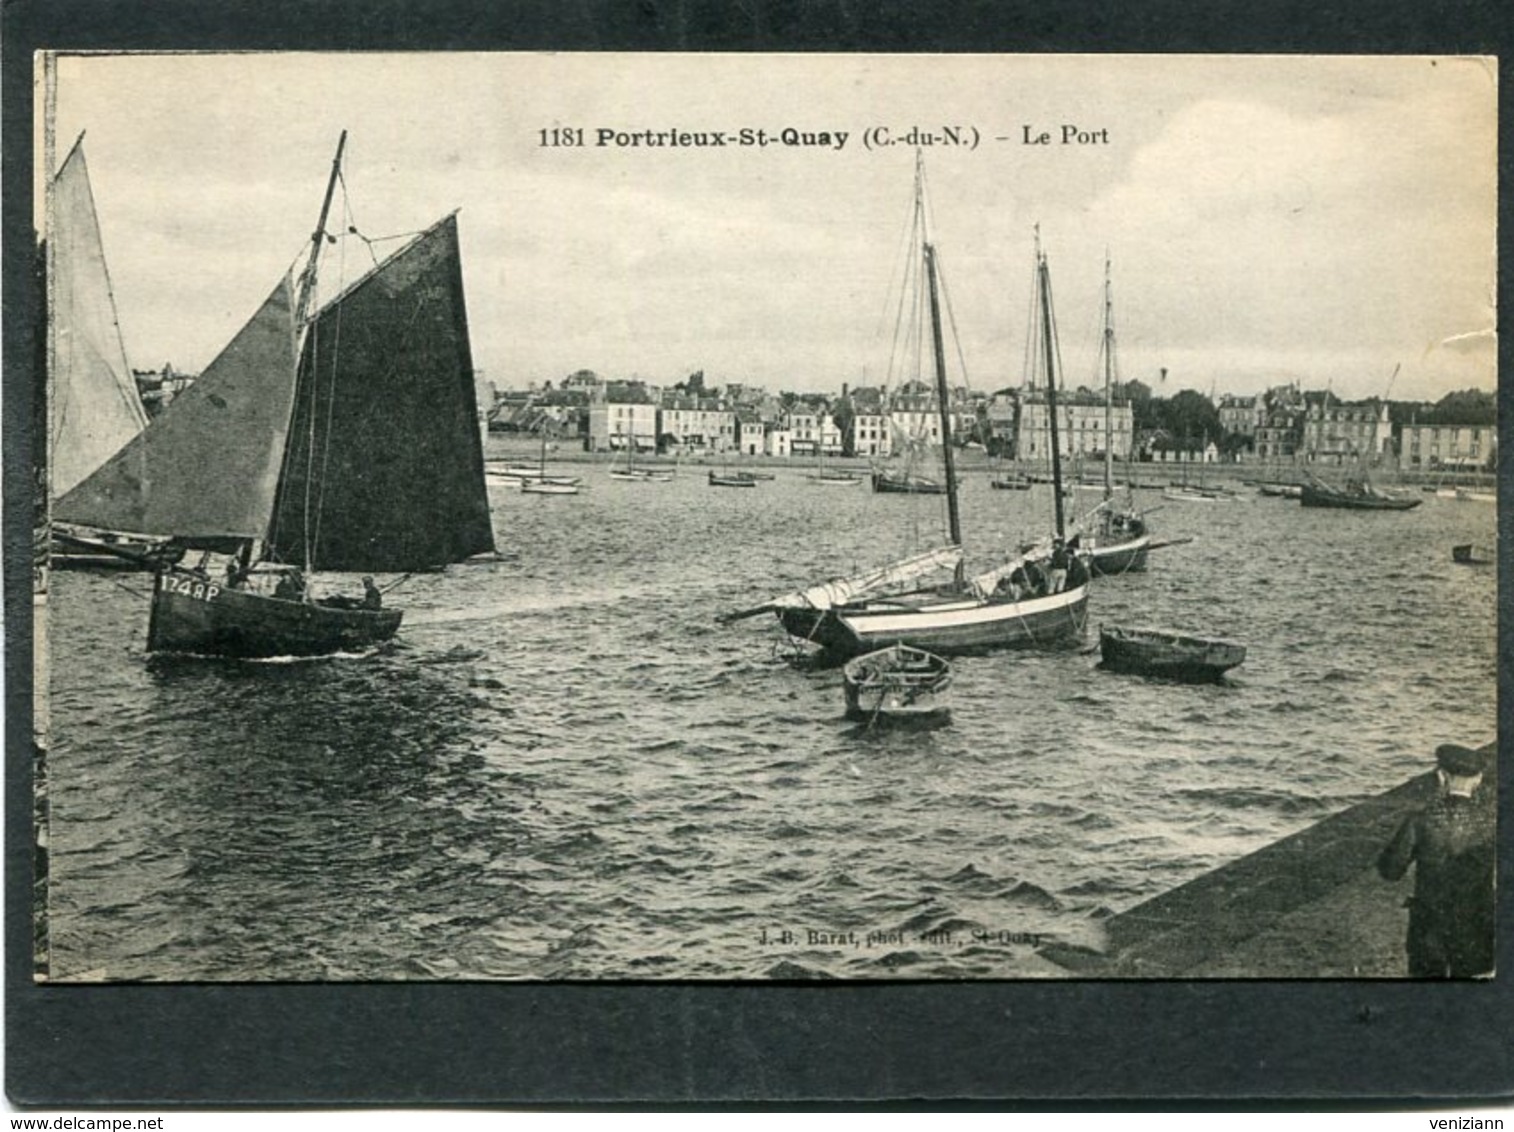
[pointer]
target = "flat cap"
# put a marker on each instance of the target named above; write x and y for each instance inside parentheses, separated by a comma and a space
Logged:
(1461, 761)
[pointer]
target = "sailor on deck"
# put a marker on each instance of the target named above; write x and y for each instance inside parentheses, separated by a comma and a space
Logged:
(1450, 843)
(372, 598)
(291, 586)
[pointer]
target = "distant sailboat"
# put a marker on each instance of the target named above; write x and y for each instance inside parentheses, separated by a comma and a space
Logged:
(348, 444)
(1119, 541)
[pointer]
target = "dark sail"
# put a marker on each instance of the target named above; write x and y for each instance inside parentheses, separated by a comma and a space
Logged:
(384, 456)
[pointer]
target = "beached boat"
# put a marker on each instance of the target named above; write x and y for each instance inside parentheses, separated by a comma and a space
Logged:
(898, 682)
(1168, 654)
(1001, 607)
(346, 444)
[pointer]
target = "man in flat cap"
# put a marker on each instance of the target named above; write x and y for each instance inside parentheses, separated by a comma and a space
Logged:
(1450, 844)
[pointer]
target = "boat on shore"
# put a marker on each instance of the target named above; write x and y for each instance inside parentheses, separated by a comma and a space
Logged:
(896, 683)
(291, 415)
(1168, 654)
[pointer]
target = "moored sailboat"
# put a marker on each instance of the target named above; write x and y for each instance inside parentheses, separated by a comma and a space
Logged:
(345, 445)
(1119, 541)
(1001, 607)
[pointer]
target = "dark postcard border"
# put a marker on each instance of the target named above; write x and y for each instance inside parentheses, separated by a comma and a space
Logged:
(1229, 1042)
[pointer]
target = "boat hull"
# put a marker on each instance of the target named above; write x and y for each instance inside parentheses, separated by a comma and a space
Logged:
(1169, 656)
(1470, 554)
(739, 479)
(895, 485)
(191, 614)
(1120, 558)
(896, 683)
(1350, 501)
(940, 624)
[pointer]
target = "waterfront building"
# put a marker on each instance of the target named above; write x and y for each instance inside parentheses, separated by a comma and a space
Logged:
(695, 424)
(1080, 427)
(870, 434)
(777, 440)
(618, 425)
(1338, 432)
(1242, 416)
(750, 432)
(1451, 448)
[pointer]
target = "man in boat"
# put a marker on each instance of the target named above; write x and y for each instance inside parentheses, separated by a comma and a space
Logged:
(291, 585)
(1061, 559)
(1450, 844)
(372, 598)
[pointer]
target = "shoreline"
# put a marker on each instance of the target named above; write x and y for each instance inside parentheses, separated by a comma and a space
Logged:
(1308, 906)
(508, 448)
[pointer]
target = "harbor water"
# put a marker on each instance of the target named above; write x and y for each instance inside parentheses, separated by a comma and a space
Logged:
(565, 769)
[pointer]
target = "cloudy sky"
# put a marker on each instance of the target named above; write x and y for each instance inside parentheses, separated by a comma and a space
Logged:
(1269, 219)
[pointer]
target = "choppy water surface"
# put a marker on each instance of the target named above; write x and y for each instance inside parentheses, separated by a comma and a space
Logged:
(565, 770)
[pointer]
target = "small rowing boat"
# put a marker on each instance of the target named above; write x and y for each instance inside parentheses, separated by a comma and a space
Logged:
(1170, 654)
(896, 683)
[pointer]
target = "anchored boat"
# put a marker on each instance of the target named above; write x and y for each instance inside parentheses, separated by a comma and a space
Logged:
(1009, 605)
(898, 682)
(1168, 653)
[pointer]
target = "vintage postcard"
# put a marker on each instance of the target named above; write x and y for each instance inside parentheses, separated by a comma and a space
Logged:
(765, 517)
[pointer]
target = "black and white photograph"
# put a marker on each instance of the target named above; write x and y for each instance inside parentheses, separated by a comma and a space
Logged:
(618, 517)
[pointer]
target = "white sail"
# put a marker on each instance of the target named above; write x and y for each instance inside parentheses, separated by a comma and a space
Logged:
(839, 591)
(96, 409)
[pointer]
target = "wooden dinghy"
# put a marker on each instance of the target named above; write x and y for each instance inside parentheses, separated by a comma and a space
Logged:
(1169, 654)
(1472, 554)
(732, 479)
(898, 682)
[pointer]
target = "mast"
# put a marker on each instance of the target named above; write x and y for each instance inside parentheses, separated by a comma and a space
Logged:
(953, 513)
(1043, 284)
(307, 278)
(954, 518)
(302, 306)
(1108, 384)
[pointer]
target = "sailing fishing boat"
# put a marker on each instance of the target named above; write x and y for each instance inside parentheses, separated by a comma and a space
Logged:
(1002, 607)
(1119, 541)
(347, 443)
(95, 409)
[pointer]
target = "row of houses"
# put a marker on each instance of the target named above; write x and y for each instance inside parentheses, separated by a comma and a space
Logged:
(861, 422)
(1283, 425)
(1287, 425)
